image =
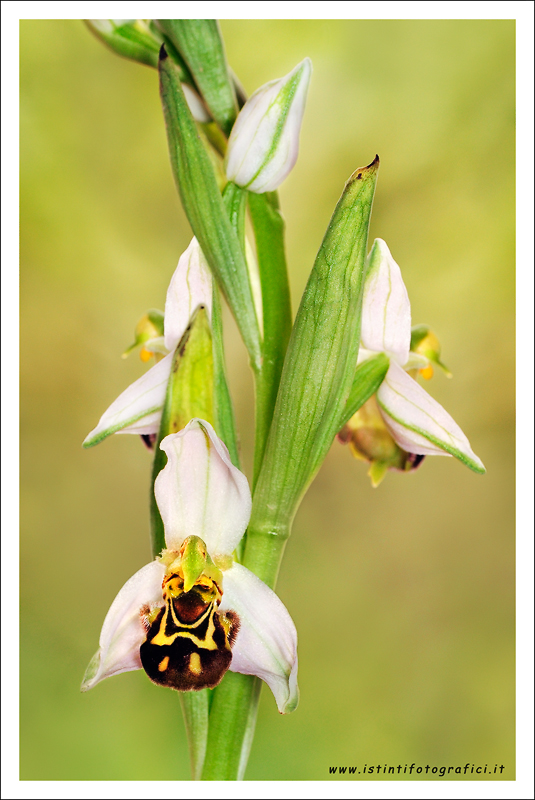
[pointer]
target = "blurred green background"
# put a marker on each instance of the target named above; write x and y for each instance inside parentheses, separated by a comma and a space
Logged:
(406, 653)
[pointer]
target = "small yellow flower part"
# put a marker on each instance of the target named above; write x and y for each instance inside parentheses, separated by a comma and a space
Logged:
(150, 326)
(425, 343)
(427, 372)
(145, 355)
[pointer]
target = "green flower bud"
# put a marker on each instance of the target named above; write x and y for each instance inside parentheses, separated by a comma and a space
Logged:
(130, 38)
(150, 326)
(425, 343)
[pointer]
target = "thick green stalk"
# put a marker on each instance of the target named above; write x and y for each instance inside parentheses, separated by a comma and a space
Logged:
(232, 720)
(268, 226)
(195, 708)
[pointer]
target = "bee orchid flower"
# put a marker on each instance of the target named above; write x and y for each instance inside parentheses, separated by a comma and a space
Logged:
(138, 409)
(401, 424)
(194, 612)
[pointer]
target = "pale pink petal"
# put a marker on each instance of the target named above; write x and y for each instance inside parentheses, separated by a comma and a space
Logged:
(138, 409)
(190, 287)
(386, 310)
(418, 423)
(122, 633)
(200, 493)
(266, 644)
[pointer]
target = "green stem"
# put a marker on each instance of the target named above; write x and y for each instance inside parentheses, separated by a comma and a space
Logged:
(232, 721)
(195, 708)
(268, 226)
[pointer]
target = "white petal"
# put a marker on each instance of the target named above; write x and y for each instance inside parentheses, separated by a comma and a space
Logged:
(418, 423)
(264, 141)
(138, 409)
(386, 310)
(195, 104)
(122, 633)
(190, 287)
(267, 640)
(200, 492)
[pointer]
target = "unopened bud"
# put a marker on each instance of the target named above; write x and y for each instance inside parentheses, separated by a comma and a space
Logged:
(264, 141)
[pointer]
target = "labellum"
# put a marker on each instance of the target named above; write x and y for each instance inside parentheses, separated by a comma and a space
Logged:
(188, 644)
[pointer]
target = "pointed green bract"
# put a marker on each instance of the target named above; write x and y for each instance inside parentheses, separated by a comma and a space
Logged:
(204, 206)
(320, 363)
(368, 377)
(200, 44)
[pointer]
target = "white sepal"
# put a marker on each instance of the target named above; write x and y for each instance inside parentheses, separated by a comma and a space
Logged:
(200, 492)
(386, 310)
(190, 287)
(264, 141)
(138, 409)
(418, 423)
(195, 104)
(266, 644)
(123, 633)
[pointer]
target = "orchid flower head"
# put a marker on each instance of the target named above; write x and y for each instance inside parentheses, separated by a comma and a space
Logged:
(193, 613)
(138, 409)
(402, 423)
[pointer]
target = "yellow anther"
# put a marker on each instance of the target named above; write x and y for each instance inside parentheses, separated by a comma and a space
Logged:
(427, 372)
(145, 355)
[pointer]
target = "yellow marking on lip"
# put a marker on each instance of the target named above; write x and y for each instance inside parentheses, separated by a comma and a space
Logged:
(207, 643)
(162, 666)
(195, 664)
